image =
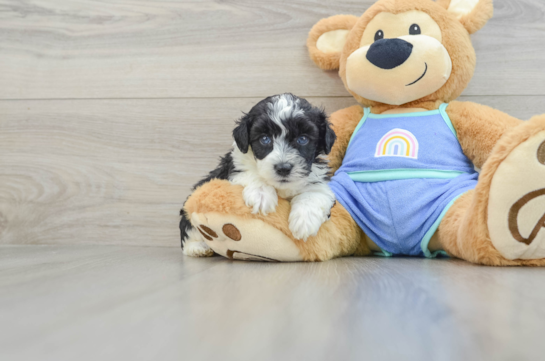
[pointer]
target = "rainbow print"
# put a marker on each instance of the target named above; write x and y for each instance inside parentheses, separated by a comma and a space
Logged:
(398, 143)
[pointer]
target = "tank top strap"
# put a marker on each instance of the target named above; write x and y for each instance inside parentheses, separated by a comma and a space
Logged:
(366, 112)
(446, 118)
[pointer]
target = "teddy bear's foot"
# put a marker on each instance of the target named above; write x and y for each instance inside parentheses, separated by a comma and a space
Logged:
(218, 210)
(516, 206)
(246, 239)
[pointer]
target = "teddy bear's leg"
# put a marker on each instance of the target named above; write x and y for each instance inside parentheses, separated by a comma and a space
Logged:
(230, 228)
(502, 221)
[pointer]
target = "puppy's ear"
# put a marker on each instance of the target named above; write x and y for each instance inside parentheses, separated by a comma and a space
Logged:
(327, 135)
(473, 14)
(329, 138)
(242, 133)
(327, 38)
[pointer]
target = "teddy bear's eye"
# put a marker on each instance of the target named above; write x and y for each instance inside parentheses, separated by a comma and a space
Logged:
(415, 30)
(379, 35)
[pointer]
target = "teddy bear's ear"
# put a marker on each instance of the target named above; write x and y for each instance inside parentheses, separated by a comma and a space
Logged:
(327, 38)
(473, 14)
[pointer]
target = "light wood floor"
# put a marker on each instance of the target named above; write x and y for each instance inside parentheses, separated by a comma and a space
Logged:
(148, 303)
(110, 110)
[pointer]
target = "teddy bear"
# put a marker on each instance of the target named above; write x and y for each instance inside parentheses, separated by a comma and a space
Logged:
(416, 173)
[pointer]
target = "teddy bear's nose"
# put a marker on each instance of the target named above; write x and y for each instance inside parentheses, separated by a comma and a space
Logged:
(389, 53)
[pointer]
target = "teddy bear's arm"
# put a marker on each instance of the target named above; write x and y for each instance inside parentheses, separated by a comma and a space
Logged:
(479, 128)
(344, 122)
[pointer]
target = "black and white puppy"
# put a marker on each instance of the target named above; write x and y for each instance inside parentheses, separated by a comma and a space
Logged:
(279, 150)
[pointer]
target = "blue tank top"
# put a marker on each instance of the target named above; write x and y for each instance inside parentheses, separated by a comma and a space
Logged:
(405, 146)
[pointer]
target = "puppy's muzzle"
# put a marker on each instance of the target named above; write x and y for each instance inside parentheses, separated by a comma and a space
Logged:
(283, 169)
(389, 53)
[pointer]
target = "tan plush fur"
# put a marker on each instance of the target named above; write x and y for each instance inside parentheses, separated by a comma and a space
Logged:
(455, 39)
(443, 3)
(474, 21)
(328, 61)
(479, 128)
(463, 232)
(487, 137)
(338, 237)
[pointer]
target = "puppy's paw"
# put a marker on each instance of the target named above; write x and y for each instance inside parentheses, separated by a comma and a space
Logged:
(305, 220)
(197, 249)
(261, 198)
(194, 246)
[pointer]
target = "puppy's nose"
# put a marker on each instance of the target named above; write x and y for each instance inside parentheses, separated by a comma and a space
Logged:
(283, 169)
(389, 53)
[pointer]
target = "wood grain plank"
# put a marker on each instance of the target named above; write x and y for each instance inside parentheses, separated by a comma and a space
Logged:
(243, 48)
(117, 171)
(134, 303)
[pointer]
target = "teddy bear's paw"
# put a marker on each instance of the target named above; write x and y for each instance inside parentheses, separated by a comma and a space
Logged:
(246, 239)
(260, 198)
(305, 220)
(516, 208)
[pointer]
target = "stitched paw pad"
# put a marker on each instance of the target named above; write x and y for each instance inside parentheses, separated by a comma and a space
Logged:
(516, 209)
(244, 239)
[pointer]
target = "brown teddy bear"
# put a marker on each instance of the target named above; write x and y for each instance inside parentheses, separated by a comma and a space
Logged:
(405, 179)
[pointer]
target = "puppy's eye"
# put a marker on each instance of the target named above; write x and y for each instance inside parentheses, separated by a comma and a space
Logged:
(265, 140)
(379, 35)
(415, 30)
(302, 140)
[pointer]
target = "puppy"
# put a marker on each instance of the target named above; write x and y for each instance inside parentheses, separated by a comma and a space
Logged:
(279, 150)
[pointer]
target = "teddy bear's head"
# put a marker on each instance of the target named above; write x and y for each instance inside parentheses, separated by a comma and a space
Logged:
(402, 51)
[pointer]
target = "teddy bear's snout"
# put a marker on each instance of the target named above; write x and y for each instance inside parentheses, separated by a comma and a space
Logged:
(541, 153)
(389, 53)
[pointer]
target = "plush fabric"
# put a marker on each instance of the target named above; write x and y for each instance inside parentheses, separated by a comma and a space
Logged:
(332, 41)
(329, 60)
(479, 128)
(464, 231)
(501, 222)
(456, 40)
(341, 237)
